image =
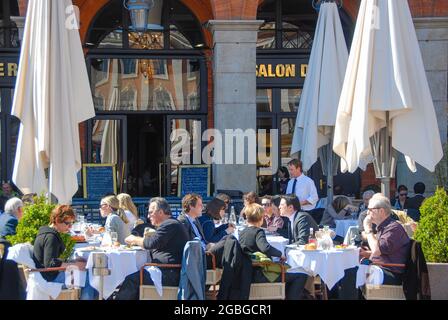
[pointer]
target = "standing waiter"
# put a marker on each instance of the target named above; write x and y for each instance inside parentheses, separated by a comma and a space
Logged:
(302, 186)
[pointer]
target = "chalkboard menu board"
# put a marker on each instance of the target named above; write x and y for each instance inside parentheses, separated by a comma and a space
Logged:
(194, 179)
(99, 180)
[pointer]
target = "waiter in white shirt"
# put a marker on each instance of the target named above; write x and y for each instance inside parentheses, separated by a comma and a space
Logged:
(302, 186)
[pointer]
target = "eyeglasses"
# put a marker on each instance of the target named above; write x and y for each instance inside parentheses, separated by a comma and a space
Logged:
(403, 194)
(68, 224)
(371, 209)
(103, 204)
(266, 204)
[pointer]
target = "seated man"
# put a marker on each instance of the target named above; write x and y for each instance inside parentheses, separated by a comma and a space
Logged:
(272, 220)
(10, 219)
(192, 210)
(253, 239)
(391, 244)
(301, 222)
(166, 246)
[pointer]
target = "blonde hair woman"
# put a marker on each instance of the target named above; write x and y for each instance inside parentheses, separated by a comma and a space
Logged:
(116, 218)
(129, 209)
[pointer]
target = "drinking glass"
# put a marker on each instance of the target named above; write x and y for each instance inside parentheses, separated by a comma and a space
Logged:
(114, 237)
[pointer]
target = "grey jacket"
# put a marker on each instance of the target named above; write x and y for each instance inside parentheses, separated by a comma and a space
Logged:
(193, 273)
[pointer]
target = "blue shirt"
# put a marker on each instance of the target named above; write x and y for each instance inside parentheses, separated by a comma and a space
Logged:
(196, 231)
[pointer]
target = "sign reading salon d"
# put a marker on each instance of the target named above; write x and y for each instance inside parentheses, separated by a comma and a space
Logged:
(281, 72)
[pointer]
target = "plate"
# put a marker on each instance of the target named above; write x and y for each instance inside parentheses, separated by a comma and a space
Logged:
(311, 250)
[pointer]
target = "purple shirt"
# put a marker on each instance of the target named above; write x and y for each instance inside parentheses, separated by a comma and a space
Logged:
(273, 221)
(394, 244)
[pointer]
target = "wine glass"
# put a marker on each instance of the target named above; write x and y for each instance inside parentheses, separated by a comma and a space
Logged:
(113, 237)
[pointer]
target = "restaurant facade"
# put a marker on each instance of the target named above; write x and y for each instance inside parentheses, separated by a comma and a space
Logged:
(206, 64)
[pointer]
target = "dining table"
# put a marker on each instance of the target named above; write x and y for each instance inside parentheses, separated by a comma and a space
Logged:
(121, 261)
(329, 265)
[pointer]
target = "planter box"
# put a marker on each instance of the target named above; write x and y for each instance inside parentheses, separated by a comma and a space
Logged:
(438, 280)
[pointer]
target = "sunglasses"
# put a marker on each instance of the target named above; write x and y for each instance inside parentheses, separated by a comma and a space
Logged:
(68, 224)
(103, 204)
(266, 204)
(403, 194)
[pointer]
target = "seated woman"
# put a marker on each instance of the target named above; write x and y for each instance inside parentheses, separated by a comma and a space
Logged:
(115, 218)
(340, 209)
(215, 210)
(253, 239)
(129, 209)
(48, 247)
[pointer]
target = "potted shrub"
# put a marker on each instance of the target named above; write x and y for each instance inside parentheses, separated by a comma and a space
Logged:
(432, 233)
(35, 216)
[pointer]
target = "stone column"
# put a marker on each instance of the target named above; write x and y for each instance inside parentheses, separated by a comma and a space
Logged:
(234, 65)
(432, 33)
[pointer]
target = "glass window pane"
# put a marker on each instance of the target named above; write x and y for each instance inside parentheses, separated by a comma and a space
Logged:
(146, 84)
(106, 141)
(264, 156)
(178, 40)
(13, 138)
(185, 137)
(111, 40)
(264, 100)
(266, 36)
(290, 100)
(286, 133)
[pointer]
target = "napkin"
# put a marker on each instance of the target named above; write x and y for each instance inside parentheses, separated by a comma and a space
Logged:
(156, 276)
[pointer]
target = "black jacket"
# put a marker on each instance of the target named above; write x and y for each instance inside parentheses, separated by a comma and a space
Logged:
(237, 272)
(416, 277)
(187, 225)
(166, 246)
(253, 239)
(48, 247)
(301, 228)
(10, 283)
(414, 203)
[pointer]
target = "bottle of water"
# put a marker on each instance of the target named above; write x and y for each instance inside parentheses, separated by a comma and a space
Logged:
(232, 218)
(241, 220)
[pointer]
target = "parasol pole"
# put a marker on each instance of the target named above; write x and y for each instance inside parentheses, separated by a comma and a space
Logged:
(385, 170)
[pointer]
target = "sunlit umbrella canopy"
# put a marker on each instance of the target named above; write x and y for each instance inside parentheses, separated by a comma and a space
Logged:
(52, 96)
(316, 116)
(385, 86)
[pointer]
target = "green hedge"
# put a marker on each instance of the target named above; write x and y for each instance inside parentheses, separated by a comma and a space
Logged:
(432, 230)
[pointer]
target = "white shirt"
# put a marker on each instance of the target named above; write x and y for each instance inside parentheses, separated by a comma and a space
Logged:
(131, 219)
(305, 190)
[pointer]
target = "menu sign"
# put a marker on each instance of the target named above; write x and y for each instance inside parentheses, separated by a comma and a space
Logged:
(99, 180)
(194, 179)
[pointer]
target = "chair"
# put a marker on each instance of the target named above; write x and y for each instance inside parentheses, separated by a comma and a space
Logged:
(268, 291)
(317, 214)
(213, 277)
(149, 292)
(66, 294)
(384, 292)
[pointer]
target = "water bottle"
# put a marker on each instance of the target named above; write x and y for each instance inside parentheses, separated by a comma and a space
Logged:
(232, 218)
(241, 220)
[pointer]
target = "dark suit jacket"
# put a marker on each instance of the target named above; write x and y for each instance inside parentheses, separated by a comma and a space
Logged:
(301, 227)
(8, 224)
(166, 246)
(236, 272)
(187, 225)
(415, 202)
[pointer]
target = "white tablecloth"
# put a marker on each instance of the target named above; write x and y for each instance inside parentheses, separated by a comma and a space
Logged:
(329, 265)
(120, 263)
(343, 225)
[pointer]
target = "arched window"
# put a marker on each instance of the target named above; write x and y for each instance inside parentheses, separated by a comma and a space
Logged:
(172, 26)
(290, 24)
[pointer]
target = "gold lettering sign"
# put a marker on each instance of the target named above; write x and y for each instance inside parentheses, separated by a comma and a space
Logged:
(279, 70)
(8, 69)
